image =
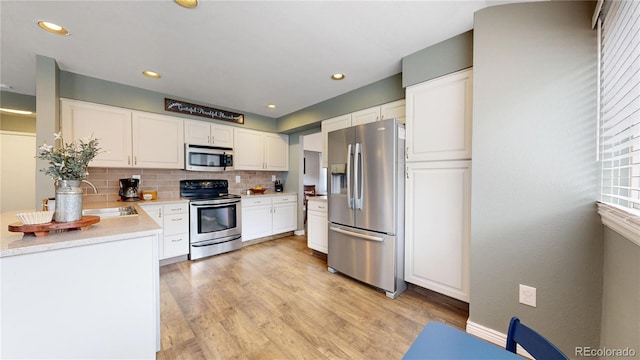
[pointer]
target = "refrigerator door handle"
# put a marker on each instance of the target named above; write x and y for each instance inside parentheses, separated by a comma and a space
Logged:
(349, 156)
(356, 234)
(358, 182)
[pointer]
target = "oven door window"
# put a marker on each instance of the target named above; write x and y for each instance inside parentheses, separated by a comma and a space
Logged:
(204, 159)
(213, 219)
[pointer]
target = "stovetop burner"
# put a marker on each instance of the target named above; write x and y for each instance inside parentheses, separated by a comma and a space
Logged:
(206, 189)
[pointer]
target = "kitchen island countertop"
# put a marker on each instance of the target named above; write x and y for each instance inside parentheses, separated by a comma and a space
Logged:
(107, 230)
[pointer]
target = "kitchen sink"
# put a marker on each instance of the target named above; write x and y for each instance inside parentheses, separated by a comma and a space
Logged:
(112, 212)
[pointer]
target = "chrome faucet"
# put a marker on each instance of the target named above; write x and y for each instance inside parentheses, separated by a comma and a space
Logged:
(95, 191)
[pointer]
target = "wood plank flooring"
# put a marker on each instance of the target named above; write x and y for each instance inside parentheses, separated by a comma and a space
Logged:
(276, 300)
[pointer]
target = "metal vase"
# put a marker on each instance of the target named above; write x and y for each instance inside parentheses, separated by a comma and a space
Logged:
(68, 201)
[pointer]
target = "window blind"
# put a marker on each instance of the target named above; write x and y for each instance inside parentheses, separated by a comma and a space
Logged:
(620, 103)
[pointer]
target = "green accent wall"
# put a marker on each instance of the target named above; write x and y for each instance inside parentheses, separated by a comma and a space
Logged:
(377, 93)
(443, 58)
(14, 122)
(85, 88)
(17, 101)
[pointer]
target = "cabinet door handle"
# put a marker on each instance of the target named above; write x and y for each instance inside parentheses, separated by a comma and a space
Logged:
(129, 160)
(176, 219)
(159, 213)
(135, 160)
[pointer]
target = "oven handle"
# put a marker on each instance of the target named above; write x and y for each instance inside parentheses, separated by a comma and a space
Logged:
(216, 241)
(222, 203)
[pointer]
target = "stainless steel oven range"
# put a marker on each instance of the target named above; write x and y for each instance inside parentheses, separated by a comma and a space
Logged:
(215, 224)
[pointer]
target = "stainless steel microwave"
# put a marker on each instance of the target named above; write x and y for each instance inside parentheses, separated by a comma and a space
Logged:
(207, 158)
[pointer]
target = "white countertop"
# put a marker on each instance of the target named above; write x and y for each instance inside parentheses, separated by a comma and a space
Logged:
(268, 193)
(108, 229)
(322, 198)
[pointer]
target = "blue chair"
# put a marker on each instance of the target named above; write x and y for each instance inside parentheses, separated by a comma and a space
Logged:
(530, 340)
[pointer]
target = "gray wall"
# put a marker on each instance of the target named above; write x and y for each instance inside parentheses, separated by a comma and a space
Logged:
(535, 177)
(377, 93)
(80, 87)
(443, 58)
(47, 119)
(621, 299)
(17, 101)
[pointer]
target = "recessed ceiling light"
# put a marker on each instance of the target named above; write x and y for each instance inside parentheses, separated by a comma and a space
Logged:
(187, 3)
(53, 28)
(151, 74)
(271, 106)
(337, 76)
(15, 111)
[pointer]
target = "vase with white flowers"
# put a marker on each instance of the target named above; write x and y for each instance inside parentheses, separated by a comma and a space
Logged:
(68, 164)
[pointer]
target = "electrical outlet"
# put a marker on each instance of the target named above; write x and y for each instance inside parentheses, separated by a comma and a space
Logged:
(135, 177)
(237, 178)
(528, 295)
(273, 178)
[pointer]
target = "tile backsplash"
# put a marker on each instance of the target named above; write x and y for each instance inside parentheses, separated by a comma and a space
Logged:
(167, 181)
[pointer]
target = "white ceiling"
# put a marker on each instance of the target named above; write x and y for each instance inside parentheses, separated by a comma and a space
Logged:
(239, 55)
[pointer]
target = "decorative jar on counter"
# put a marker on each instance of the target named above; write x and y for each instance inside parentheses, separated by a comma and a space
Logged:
(68, 201)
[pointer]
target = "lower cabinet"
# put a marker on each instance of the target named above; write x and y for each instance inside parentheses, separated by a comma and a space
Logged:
(437, 226)
(174, 219)
(265, 215)
(317, 225)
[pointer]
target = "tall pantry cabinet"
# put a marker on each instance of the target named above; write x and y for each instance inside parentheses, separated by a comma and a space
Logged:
(438, 184)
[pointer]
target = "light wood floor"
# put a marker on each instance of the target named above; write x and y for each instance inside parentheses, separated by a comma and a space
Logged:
(276, 300)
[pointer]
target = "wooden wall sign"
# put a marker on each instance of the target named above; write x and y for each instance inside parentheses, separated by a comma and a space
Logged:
(203, 111)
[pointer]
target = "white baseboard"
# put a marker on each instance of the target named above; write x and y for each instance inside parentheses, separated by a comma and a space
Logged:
(492, 336)
(299, 232)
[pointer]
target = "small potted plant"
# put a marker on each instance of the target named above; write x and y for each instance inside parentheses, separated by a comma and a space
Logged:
(68, 164)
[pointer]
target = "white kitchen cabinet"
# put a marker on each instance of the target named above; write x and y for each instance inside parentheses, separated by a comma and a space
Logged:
(285, 213)
(158, 141)
(257, 150)
(329, 125)
(438, 119)
(264, 215)
(365, 116)
(127, 138)
(174, 219)
(110, 125)
(317, 225)
(394, 109)
(206, 133)
(437, 226)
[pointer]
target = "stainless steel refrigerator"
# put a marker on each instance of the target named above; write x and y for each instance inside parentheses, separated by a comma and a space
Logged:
(366, 204)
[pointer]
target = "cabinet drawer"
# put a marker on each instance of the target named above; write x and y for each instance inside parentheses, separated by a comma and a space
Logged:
(177, 208)
(176, 245)
(285, 199)
(317, 206)
(256, 201)
(175, 224)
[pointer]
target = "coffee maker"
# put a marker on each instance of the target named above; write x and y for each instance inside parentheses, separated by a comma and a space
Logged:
(129, 189)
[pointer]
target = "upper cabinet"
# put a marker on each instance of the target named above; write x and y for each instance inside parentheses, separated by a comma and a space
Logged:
(390, 110)
(158, 141)
(256, 150)
(127, 138)
(395, 109)
(329, 125)
(439, 118)
(206, 133)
